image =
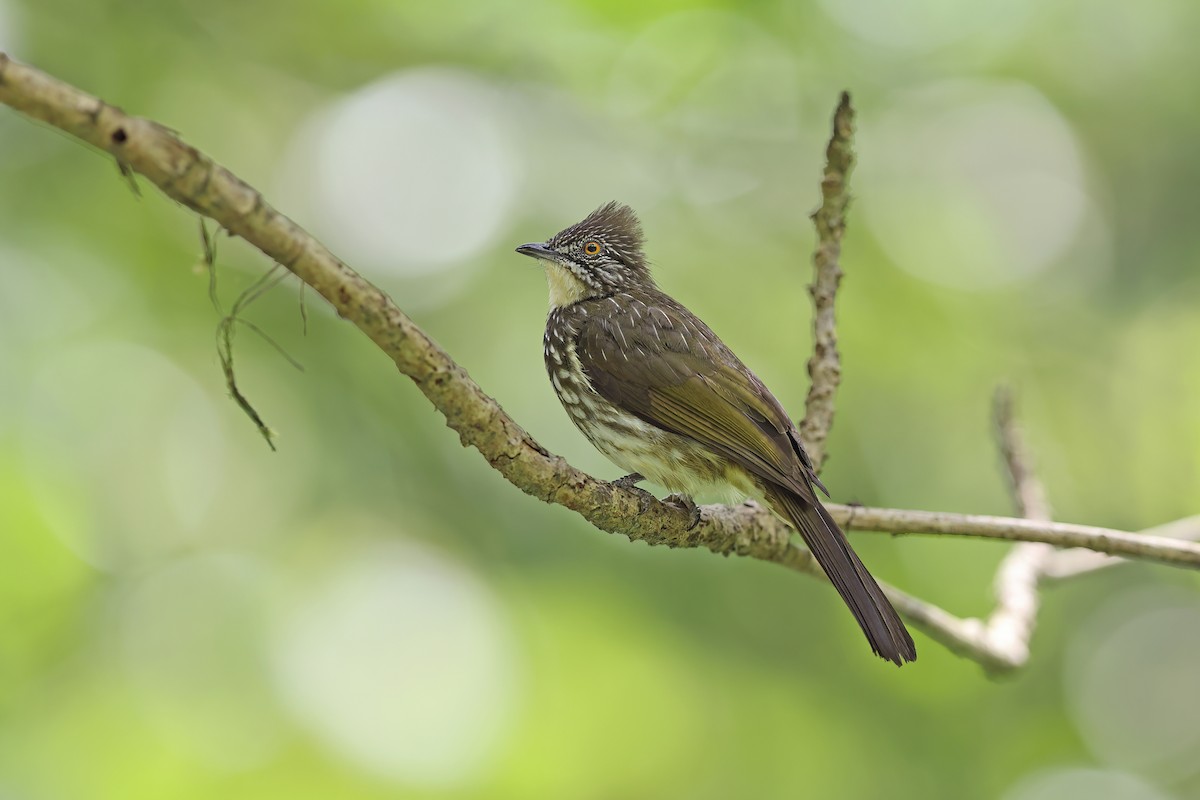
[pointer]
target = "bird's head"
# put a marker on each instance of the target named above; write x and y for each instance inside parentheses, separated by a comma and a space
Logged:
(596, 257)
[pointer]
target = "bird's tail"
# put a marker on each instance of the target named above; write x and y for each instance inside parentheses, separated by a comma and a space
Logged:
(879, 621)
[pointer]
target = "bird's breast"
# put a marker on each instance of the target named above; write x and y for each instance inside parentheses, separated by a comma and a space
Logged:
(666, 458)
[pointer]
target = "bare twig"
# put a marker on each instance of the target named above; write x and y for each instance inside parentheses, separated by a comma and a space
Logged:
(966, 637)
(1010, 627)
(193, 179)
(1060, 534)
(1029, 495)
(824, 367)
(1079, 561)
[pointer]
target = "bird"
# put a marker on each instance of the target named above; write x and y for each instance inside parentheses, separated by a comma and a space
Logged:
(662, 397)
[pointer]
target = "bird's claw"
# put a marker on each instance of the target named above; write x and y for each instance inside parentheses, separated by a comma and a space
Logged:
(685, 503)
(630, 481)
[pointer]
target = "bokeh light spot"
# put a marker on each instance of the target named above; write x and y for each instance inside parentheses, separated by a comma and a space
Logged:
(1130, 682)
(400, 662)
(10, 34)
(73, 286)
(120, 430)
(973, 185)
(708, 72)
(194, 638)
(410, 174)
(718, 92)
(925, 24)
(1094, 784)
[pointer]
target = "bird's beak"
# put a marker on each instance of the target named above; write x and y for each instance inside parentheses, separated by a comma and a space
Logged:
(537, 250)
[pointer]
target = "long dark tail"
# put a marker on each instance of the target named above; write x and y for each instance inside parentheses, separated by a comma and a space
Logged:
(879, 621)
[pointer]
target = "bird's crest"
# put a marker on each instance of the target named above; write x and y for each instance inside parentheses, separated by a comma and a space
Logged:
(613, 223)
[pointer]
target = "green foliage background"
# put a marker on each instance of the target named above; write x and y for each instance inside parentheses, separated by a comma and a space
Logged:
(372, 612)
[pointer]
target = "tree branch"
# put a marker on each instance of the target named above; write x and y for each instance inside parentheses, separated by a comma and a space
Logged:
(824, 366)
(188, 176)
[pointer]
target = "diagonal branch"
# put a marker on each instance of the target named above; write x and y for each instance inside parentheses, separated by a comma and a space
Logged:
(188, 176)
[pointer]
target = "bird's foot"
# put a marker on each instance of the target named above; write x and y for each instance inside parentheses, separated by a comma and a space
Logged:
(629, 481)
(685, 503)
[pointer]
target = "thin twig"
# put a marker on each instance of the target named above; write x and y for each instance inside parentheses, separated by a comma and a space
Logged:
(966, 637)
(824, 366)
(1060, 534)
(1079, 561)
(1028, 493)
(225, 330)
(1010, 627)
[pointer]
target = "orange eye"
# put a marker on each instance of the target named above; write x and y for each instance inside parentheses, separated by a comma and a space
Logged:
(592, 248)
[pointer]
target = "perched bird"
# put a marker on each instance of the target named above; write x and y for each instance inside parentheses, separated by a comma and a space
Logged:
(662, 397)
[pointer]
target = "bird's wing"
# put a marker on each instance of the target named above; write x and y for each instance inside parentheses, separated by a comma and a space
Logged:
(659, 362)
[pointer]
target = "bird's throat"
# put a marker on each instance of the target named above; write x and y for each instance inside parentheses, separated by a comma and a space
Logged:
(565, 288)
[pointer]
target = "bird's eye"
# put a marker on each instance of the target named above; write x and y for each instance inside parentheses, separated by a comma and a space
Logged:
(591, 248)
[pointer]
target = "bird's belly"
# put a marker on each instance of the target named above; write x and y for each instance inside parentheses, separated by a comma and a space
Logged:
(676, 462)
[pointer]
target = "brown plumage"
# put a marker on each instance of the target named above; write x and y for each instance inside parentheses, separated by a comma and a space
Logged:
(657, 392)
